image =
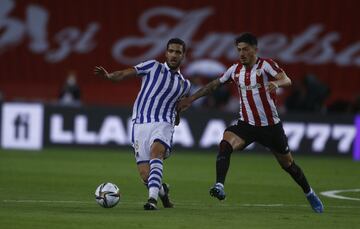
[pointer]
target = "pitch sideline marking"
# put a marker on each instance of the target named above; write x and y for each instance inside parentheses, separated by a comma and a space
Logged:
(334, 194)
(193, 204)
(48, 201)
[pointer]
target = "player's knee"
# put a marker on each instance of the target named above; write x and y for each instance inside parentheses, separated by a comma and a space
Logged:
(290, 167)
(158, 150)
(285, 160)
(144, 175)
(225, 148)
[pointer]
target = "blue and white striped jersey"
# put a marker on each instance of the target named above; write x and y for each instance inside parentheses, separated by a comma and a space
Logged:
(160, 90)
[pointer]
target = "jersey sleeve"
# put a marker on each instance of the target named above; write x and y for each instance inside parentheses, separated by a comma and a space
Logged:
(226, 77)
(272, 67)
(144, 67)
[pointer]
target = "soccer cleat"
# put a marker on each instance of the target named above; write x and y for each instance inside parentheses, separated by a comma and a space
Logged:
(218, 191)
(315, 202)
(150, 204)
(165, 198)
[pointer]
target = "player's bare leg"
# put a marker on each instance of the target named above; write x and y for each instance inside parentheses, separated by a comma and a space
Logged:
(144, 170)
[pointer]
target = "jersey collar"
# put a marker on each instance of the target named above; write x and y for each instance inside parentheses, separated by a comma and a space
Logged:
(177, 72)
(168, 68)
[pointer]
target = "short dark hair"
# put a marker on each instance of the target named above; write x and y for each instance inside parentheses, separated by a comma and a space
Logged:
(177, 41)
(248, 38)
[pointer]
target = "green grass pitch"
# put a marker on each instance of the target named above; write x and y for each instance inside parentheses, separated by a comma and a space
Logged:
(55, 189)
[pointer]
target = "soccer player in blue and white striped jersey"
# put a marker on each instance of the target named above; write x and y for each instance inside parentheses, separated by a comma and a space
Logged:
(154, 115)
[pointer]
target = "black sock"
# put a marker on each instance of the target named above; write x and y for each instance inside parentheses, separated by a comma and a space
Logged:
(223, 161)
(298, 175)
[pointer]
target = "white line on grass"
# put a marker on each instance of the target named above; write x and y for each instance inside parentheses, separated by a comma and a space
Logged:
(182, 203)
(334, 194)
(48, 201)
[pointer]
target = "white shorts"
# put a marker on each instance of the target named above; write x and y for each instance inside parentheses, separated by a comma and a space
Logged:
(144, 135)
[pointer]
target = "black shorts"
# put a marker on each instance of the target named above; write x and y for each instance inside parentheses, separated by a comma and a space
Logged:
(272, 137)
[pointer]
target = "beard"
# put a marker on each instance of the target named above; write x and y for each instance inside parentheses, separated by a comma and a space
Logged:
(173, 65)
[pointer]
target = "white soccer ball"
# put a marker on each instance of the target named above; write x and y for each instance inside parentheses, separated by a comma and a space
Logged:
(107, 195)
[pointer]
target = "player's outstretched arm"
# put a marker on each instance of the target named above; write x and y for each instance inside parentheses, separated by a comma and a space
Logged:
(117, 75)
(185, 103)
(206, 90)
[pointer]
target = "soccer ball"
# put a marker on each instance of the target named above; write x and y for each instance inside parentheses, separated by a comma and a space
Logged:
(107, 195)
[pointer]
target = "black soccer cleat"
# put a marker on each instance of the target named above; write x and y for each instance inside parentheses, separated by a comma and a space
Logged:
(218, 192)
(151, 204)
(165, 198)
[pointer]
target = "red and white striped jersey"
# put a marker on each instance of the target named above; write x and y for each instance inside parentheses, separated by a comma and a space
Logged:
(257, 105)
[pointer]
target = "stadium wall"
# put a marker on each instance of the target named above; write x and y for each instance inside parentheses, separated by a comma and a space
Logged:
(34, 126)
(41, 40)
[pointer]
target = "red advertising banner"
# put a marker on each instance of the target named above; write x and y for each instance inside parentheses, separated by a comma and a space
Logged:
(42, 41)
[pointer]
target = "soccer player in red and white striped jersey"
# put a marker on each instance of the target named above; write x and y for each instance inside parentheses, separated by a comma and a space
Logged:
(257, 80)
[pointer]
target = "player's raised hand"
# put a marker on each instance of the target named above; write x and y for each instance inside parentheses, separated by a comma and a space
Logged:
(100, 71)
